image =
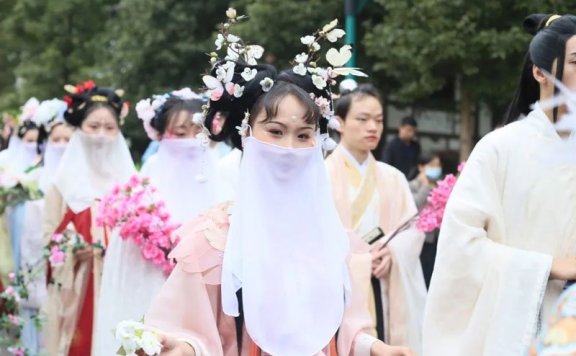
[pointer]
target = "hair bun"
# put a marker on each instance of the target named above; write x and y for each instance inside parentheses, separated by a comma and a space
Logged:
(80, 102)
(535, 22)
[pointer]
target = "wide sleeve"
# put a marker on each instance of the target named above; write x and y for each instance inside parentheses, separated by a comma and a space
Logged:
(484, 296)
(354, 337)
(53, 212)
(188, 305)
(183, 310)
(406, 288)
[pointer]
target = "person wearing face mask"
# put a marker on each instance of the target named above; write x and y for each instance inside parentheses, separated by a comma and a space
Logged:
(267, 274)
(373, 195)
(96, 159)
(507, 244)
(182, 172)
(23, 153)
(429, 172)
(49, 120)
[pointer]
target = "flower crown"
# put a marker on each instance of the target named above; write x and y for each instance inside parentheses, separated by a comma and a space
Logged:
(304, 64)
(28, 110)
(148, 109)
(80, 95)
(50, 113)
(236, 51)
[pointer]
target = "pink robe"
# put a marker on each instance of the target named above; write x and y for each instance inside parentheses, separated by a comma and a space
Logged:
(189, 306)
(404, 289)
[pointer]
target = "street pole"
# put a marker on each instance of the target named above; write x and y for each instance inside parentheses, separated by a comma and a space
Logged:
(350, 12)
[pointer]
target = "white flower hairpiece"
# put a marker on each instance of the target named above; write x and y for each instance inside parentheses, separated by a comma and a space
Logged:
(28, 109)
(147, 109)
(49, 113)
(266, 84)
(323, 78)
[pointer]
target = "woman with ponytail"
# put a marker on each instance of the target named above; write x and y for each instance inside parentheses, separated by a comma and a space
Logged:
(508, 240)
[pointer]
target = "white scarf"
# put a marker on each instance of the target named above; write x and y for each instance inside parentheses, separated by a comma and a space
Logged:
(287, 250)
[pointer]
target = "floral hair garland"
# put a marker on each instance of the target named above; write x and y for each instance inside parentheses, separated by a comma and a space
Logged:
(50, 113)
(306, 63)
(148, 109)
(236, 50)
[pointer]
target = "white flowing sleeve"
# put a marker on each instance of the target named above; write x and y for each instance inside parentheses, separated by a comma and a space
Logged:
(485, 296)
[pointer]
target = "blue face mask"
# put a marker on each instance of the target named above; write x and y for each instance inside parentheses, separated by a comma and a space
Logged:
(433, 173)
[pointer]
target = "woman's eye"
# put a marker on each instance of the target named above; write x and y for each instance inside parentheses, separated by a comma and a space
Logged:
(275, 132)
(304, 137)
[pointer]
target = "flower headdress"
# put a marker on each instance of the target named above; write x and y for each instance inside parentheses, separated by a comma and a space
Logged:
(28, 110)
(150, 108)
(324, 78)
(83, 95)
(50, 113)
(236, 51)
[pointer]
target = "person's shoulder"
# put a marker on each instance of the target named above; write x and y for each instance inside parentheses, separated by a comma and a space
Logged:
(202, 242)
(390, 172)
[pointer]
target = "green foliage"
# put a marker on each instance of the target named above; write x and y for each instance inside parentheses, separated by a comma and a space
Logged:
(413, 49)
(425, 45)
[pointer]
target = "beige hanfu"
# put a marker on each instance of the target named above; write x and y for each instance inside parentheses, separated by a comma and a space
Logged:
(512, 210)
(373, 194)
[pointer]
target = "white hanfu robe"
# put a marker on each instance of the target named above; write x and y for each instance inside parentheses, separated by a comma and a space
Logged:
(373, 194)
(513, 209)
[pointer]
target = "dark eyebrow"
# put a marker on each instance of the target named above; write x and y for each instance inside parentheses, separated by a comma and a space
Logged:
(274, 122)
(307, 127)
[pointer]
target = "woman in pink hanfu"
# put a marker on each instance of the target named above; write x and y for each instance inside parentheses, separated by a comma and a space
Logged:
(273, 273)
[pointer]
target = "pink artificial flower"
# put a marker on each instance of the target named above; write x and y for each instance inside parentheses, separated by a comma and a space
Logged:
(12, 276)
(17, 351)
(430, 218)
(216, 94)
(461, 166)
(14, 320)
(57, 238)
(57, 256)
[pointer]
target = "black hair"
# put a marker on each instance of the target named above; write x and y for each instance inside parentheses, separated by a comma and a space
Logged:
(83, 103)
(343, 104)
(254, 99)
(549, 44)
(170, 108)
(27, 126)
(408, 121)
(427, 157)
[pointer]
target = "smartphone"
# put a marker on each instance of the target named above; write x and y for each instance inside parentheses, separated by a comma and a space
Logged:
(373, 236)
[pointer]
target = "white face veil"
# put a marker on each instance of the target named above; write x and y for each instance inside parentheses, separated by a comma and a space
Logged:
(287, 250)
(90, 167)
(183, 172)
(53, 154)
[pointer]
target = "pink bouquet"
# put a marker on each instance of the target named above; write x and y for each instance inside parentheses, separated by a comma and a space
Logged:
(430, 218)
(133, 209)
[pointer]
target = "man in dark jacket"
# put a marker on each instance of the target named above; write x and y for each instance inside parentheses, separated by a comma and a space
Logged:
(403, 151)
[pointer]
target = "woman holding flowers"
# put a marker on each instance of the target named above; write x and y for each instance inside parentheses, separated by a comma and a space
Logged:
(269, 274)
(182, 173)
(96, 158)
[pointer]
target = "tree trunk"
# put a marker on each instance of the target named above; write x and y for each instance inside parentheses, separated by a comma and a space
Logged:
(466, 124)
